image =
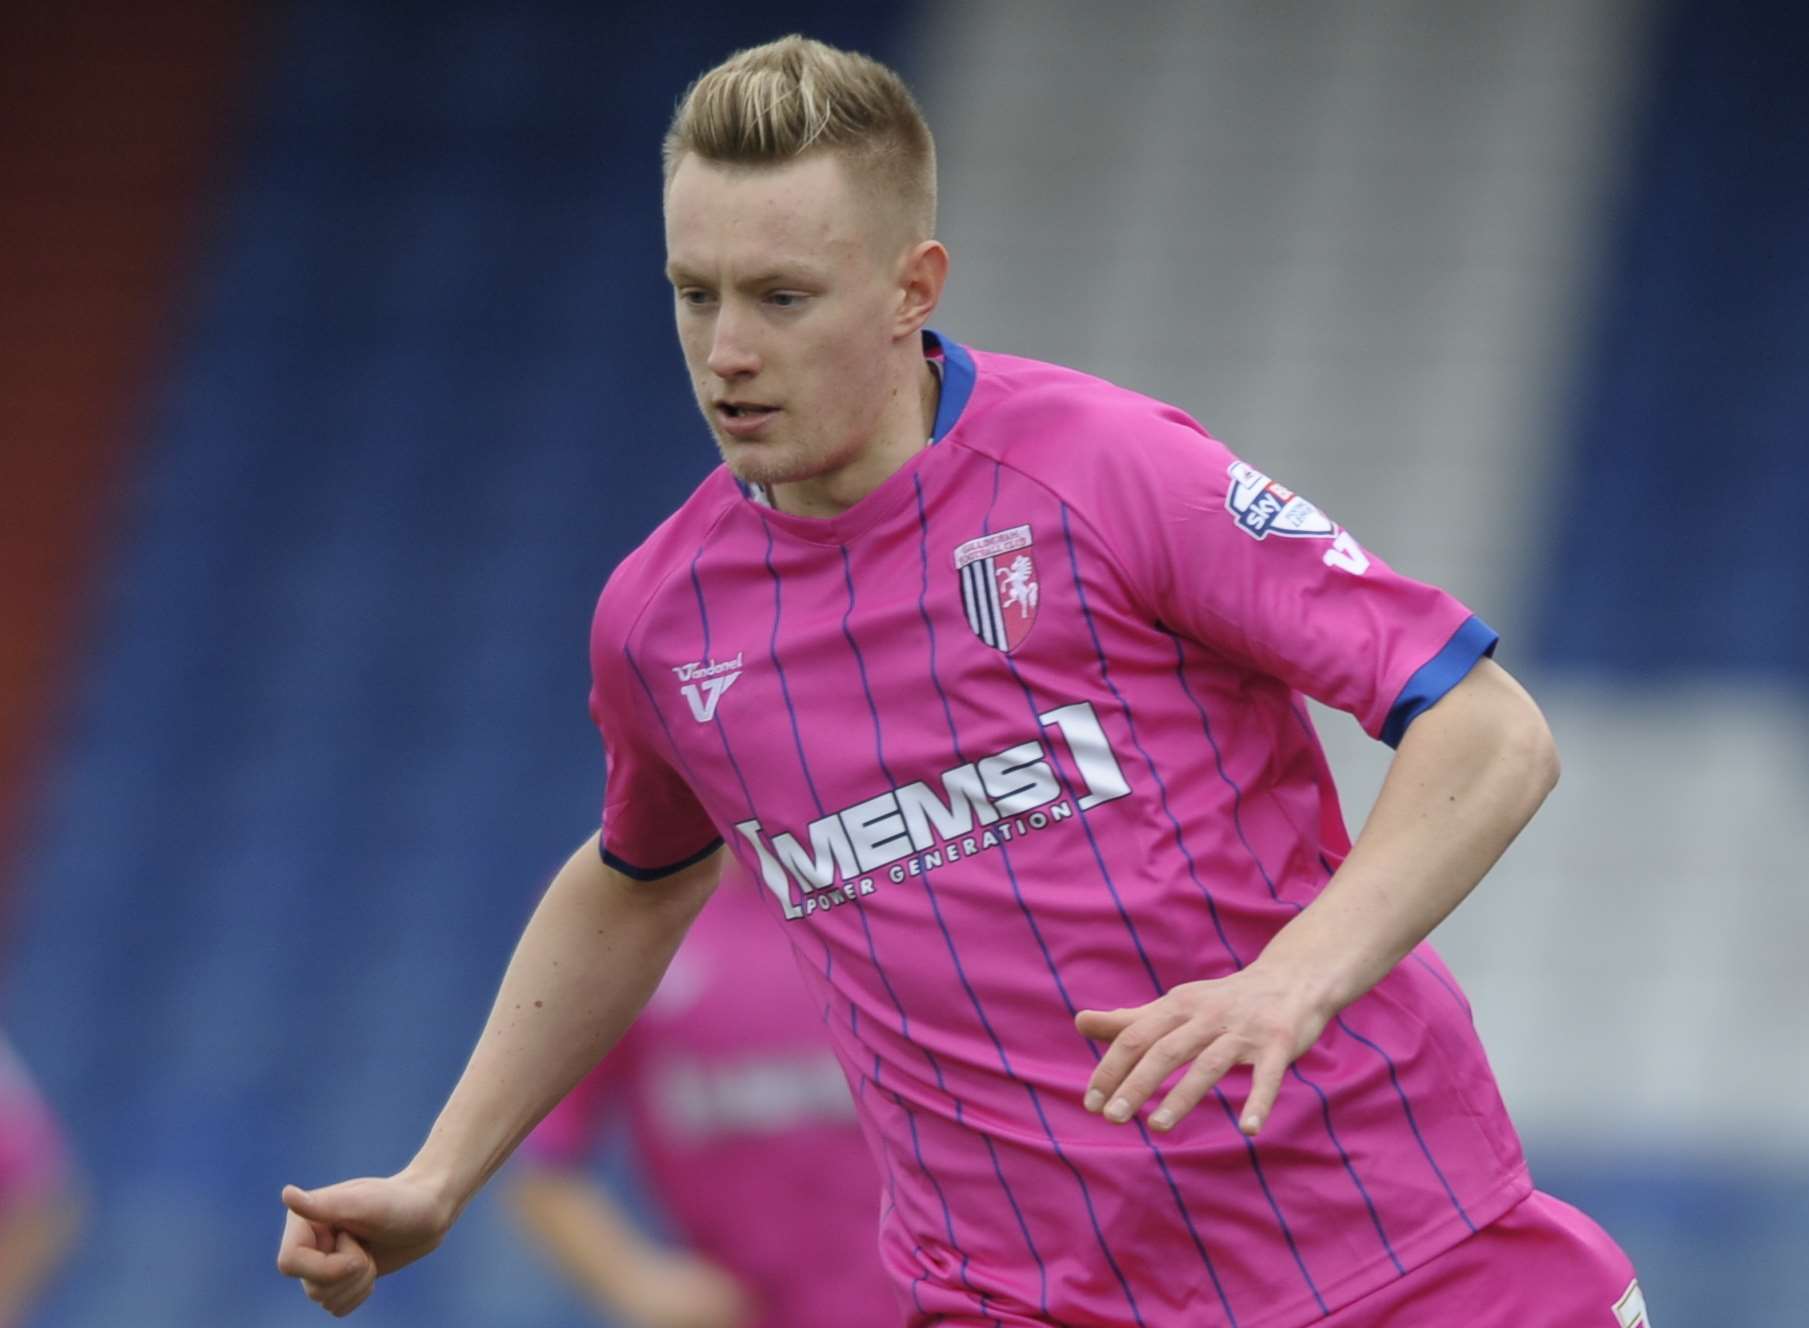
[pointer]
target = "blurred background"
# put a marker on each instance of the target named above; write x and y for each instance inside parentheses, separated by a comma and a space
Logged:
(336, 373)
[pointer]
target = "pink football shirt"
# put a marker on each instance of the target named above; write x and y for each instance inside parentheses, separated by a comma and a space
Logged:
(741, 1122)
(32, 1154)
(1022, 733)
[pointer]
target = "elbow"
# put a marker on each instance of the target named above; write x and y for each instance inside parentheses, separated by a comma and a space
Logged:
(1505, 730)
(1522, 741)
(1528, 745)
(1549, 765)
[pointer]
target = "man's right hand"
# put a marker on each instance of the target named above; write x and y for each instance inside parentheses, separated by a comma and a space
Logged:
(340, 1239)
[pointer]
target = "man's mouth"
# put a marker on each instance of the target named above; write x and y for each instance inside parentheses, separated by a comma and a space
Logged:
(744, 420)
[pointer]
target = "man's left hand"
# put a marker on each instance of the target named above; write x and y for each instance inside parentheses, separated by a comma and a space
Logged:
(1249, 1018)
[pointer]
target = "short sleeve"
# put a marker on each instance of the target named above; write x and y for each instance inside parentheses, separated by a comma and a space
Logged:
(653, 824)
(1239, 562)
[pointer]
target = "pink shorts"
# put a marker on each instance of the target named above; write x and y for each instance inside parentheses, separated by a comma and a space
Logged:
(1542, 1265)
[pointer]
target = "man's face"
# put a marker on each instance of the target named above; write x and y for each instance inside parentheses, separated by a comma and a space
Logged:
(784, 280)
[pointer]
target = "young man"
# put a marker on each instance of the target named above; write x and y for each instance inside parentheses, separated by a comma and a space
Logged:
(988, 674)
(734, 1105)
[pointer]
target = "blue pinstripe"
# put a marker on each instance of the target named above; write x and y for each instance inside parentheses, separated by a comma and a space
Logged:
(722, 733)
(1325, 1111)
(797, 736)
(923, 550)
(904, 1020)
(1407, 1106)
(1236, 815)
(1438, 977)
(747, 797)
(1092, 1050)
(1105, 674)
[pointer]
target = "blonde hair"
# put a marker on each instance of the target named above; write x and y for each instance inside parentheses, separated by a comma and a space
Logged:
(770, 104)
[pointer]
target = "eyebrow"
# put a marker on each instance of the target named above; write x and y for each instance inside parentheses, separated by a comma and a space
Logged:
(776, 276)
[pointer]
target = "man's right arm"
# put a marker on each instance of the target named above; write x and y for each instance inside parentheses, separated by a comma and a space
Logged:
(588, 960)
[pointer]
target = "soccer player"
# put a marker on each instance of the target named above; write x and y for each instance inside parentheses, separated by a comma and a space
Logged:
(40, 1213)
(736, 1107)
(989, 676)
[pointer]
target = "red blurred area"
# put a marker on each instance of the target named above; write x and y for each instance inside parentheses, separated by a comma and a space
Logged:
(111, 120)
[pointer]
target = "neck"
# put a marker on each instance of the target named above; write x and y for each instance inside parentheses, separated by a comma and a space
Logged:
(902, 433)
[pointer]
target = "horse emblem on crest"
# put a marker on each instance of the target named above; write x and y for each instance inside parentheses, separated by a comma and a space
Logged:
(999, 589)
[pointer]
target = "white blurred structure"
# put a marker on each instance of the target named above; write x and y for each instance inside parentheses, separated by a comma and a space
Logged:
(1358, 241)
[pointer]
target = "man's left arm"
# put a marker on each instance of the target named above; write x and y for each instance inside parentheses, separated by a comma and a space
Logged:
(1468, 774)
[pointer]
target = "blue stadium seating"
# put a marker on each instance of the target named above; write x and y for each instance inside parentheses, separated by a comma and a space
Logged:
(330, 733)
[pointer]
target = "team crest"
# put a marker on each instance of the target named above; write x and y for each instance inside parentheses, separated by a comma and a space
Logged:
(999, 587)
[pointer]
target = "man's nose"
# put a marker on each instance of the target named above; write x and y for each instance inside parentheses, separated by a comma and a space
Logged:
(732, 352)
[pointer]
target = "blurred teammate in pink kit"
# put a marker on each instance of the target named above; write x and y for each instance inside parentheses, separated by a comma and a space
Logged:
(743, 1128)
(991, 675)
(39, 1211)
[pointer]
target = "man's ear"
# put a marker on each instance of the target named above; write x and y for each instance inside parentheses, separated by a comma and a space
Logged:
(922, 271)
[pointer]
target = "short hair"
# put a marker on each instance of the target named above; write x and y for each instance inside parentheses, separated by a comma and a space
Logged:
(771, 104)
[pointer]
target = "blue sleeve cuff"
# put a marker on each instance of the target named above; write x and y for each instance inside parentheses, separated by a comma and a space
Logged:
(1439, 675)
(655, 873)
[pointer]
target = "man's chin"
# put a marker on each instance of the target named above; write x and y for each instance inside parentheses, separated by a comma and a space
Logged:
(760, 463)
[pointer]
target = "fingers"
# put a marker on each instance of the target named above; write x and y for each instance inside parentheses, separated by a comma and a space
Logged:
(353, 1274)
(1104, 1025)
(341, 1299)
(1127, 1074)
(307, 1252)
(301, 1204)
(1201, 1078)
(1248, 1018)
(365, 1207)
(1268, 1062)
(316, 1206)
(1157, 1041)
(1146, 1078)
(335, 1271)
(1265, 1087)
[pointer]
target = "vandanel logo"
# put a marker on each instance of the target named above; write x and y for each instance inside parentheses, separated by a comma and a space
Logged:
(703, 683)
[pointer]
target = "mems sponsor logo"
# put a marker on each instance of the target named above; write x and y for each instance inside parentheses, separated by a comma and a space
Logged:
(917, 827)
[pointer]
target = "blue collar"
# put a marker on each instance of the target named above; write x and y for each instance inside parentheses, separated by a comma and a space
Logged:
(957, 382)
